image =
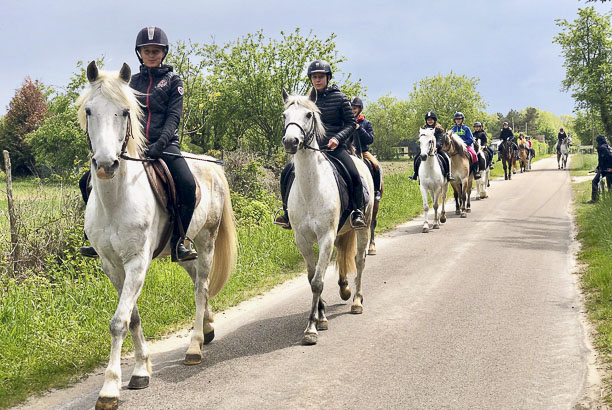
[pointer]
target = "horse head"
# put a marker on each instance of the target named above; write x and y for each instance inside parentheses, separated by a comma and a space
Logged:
(302, 123)
(110, 114)
(427, 140)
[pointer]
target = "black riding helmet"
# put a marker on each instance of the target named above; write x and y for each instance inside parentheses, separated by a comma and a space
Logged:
(478, 124)
(356, 101)
(151, 36)
(431, 114)
(459, 115)
(320, 66)
(601, 139)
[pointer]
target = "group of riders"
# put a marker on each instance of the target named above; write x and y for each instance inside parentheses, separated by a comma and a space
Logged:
(160, 91)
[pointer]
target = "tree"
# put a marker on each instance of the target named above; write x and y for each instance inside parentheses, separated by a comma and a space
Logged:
(26, 112)
(445, 95)
(586, 46)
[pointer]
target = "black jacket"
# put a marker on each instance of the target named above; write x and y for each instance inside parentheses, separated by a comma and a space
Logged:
(438, 133)
(363, 136)
(561, 136)
(162, 100)
(481, 137)
(336, 115)
(604, 155)
(506, 133)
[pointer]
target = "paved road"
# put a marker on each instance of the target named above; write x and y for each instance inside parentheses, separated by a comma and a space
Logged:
(483, 313)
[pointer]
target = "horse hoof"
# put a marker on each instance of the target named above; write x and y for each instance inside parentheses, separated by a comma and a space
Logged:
(345, 293)
(468, 210)
(443, 219)
(457, 212)
(107, 403)
(191, 359)
(425, 229)
(436, 226)
(356, 309)
(322, 325)
(372, 251)
(463, 215)
(309, 339)
(208, 337)
(138, 382)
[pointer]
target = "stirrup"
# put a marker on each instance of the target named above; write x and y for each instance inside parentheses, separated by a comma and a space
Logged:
(193, 254)
(377, 196)
(284, 225)
(353, 216)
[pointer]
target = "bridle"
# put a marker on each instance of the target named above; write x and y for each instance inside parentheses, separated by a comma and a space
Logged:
(308, 137)
(128, 134)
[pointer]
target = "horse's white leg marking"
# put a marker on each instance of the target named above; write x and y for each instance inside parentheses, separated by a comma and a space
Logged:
(135, 270)
(360, 256)
(326, 245)
(435, 199)
(425, 208)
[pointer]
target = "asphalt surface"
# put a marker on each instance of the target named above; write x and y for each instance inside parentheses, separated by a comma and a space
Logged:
(484, 313)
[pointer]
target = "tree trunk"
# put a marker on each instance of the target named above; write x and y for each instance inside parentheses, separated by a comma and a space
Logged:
(14, 253)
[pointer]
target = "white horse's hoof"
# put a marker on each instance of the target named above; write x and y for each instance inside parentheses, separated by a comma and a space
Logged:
(356, 309)
(309, 339)
(436, 226)
(463, 215)
(425, 229)
(107, 403)
(192, 359)
(138, 382)
(372, 250)
(322, 325)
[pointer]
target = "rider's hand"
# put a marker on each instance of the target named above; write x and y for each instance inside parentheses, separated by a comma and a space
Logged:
(155, 150)
(333, 143)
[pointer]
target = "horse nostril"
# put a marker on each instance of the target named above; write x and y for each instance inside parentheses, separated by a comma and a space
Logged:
(94, 163)
(115, 165)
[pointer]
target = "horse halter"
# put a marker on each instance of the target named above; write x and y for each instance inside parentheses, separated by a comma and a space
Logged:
(128, 134)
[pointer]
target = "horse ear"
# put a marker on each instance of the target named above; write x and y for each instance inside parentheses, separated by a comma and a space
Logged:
(285, 95)
(92, 72)
(313, 94)
(125, 73)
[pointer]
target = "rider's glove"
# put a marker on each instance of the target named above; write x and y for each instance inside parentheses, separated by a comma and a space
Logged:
(155, 150)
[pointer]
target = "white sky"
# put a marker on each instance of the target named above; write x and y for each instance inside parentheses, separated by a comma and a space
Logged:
(389, 44)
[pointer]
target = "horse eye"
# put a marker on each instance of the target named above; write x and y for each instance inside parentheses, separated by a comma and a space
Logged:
(87, 111)
(309, 115)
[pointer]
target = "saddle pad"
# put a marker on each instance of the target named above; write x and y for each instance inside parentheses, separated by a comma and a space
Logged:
(442, 163)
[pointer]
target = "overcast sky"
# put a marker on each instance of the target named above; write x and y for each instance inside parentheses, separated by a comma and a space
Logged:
(389, 44)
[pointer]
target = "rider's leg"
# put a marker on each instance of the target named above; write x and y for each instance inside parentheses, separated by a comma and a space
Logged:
(358, 219)
(88, 251)
(186, 197)
(447, 160)
(482, 163)
(286, 181)
(417, 163)
(515, 150)
(595, 189)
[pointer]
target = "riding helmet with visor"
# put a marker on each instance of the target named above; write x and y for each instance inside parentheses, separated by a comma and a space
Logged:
(459, 116)
(431, 114)
(151, 36)
(320, 66)
(478, 124)
(356, 101)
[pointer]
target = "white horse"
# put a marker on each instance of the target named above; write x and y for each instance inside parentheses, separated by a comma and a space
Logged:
(314, 211)
(563, 153)
(431, 179)
(124, 224)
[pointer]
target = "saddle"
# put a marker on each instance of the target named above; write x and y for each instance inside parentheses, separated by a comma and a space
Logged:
(345, 187)
(443, 165)
(164, 189)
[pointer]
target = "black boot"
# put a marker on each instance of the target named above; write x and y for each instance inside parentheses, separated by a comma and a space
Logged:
(476, 171)
(417, 163)
(88, 251)
(286, 181)
(282, 220)
(594, 196)
(377, 192)
(179, 252)
(357, 217)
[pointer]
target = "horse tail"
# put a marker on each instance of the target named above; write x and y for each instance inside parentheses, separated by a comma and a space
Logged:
(226, 250)
(347, 249)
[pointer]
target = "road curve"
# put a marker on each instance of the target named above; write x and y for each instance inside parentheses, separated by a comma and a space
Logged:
(483, 313)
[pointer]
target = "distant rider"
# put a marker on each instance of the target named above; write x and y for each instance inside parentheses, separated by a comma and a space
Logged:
(466, 135)
(363, 136)
(506, 134)
(604, 167)
(431, 121)
(481, 136)
(560, 137)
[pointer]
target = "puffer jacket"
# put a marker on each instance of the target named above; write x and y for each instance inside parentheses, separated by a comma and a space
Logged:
(506, 133)
(481, 137)
(162, 100)
(336, 115)
(604, 155)
(363, 136)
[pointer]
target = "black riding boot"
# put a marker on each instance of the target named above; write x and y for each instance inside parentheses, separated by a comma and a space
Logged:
(417, 163)
(178, 251)
(357, 217)
(88, 251)
(286, 181)
(476, 170)
(377, 193)
(482, 165)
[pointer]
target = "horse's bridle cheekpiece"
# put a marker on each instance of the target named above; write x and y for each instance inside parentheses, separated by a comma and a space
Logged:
(308, 137)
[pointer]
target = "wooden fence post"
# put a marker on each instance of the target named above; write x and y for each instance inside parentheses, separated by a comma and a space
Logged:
(14, 254)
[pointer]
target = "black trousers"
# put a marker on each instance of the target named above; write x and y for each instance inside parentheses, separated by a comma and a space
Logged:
(183, 180)
(340, 153)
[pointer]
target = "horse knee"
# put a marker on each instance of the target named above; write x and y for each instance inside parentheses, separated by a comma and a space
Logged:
(317, 286)
(118, 327)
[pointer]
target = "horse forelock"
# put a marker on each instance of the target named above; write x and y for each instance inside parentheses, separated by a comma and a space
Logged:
(113, 88)
(307, 104)
(458, 143)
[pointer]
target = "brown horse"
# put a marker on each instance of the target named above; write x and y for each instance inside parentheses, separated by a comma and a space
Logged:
(372, 246)
(461, 168)
(508, 160)
(523, 156)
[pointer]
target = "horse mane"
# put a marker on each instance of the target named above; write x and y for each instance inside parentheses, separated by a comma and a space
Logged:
(457, 143)
(306, 103)
(118, 91)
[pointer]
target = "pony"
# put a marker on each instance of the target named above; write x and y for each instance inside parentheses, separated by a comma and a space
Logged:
(125, 223)
(523, 151)
(563, 153)
(431, 179)
(372, 245)
(485, 174)
(462, 175)
(314, 209)
(508, 160)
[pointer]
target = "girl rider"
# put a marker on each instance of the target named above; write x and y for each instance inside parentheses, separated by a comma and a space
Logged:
(339, 123)
(160, 91)
(466, 135)
(363, 136)
(431, 122)
(481, 136)
(506, 134)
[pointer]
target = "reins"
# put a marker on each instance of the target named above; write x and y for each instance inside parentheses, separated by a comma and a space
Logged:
(308, 137)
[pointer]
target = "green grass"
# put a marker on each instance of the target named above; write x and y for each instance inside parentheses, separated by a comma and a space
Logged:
(581, 164)
(54, 326)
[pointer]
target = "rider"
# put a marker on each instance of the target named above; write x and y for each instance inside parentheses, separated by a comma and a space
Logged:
(362, 137)
(339, 122)
(604, 166)
(431, 121)
(506, 134)
(560, 137)
(160, 91)
(481, 136)
(531, 150)
(466, 135)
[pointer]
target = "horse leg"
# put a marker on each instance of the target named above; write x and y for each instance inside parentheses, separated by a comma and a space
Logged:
(468, 195)
(457, 206)
(199, 270)
(425, 209)
(130, 285)
(443, 214)
(360, 256)
(142, 369)
(372, 246)
(463, 193)
(435, 200)
(326, 245)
